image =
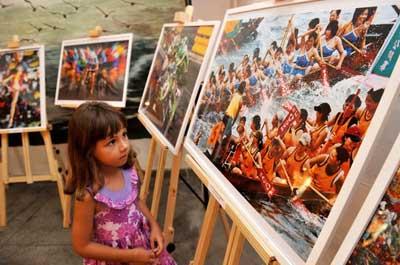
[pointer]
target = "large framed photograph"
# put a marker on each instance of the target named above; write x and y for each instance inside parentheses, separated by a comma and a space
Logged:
(22, 89)
(374, 237)
(174, 79)
(285, 119)
(94, 69)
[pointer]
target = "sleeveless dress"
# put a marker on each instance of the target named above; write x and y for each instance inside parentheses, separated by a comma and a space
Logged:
(120, 223)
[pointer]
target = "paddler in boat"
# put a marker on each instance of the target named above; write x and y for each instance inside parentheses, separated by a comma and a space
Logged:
(351, 141)
(293, 160)
(291, 137)
(332, 47)
(235, 152)
(304, 61)
(240, 70)
(271, 156)
(327, 175)
(366, 114)
(271, 133)
(250, 158)
(353, 33)
(288, 58)
(319, 130)
(342, 121)
(334, 15)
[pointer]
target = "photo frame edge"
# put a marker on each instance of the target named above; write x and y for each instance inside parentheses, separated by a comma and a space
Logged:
(377, 191)
(42, 81)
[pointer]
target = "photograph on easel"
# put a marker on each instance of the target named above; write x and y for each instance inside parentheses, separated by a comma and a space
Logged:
(22, 89)
(94, 69)
(375, 234)
(286, 106)
(174, 78)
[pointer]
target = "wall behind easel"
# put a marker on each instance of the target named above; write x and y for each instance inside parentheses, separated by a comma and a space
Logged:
(208, 10)
(49, 22)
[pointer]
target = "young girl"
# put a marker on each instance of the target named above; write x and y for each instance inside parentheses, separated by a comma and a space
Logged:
(111, 225)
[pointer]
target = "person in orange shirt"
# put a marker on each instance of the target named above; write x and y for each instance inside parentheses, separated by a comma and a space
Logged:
(371, 104)
(320, 130)
(342, 121)
(271, 156)
(326, 172)
(250, 159)
(293, 160)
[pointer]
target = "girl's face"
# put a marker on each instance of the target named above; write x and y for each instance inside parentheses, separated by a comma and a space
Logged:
(113, 151)
(310, 43)
(328, 33)
(363, 16)
(370, 104)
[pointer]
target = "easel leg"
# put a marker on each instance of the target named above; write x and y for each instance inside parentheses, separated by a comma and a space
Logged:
(237, 248)
(225, 222)
(27, 158)
(48, 145)
(231, 239)
(4, 157)
(3, 214)
(232, 255)
(3, 179)
(64, 199)
(206, 232)
(159, 182)
(172, 194)
(144, 191)
(67, 211)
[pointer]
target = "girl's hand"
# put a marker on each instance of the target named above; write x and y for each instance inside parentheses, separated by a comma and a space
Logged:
(141, 256)
(156, 239)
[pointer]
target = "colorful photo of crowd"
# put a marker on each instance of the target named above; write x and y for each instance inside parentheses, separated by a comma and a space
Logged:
(20, 89)
(93, 71)
(173, 76)
(285, 109)
(380, 243)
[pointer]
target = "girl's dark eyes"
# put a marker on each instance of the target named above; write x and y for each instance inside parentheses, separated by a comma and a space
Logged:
(111, 142)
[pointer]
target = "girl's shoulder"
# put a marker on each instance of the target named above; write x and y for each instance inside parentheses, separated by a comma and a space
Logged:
(124, 197)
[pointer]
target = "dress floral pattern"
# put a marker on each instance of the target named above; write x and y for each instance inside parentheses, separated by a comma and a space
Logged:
(120, 224)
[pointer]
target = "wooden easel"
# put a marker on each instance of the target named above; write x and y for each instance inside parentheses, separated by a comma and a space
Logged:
(173, 185)
(238, 232)
(181, 18)
(28, 177)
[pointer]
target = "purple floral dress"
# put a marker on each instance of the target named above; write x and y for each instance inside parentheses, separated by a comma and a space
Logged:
(120, 223)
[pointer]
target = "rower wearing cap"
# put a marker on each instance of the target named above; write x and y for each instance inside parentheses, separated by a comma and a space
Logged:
(320, 130)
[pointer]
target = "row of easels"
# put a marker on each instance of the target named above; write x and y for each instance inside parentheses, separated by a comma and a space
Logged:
(29, 177)
(159, 180)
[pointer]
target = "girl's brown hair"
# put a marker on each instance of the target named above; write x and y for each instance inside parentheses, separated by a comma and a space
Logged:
(91, 122)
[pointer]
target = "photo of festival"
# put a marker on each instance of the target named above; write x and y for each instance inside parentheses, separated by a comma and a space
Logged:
(20, 89)
(380, 242)
(93, 71)
(286, 107)
(173, 76)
